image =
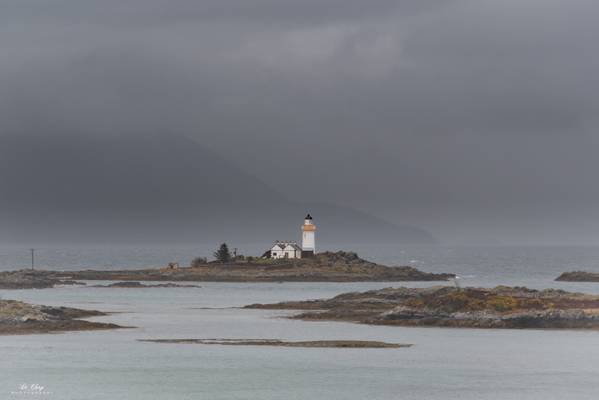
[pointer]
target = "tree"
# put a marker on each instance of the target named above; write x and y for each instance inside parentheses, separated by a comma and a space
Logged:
(223, 254)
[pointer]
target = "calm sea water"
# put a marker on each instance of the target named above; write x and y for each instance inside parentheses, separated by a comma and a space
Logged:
(442, 364)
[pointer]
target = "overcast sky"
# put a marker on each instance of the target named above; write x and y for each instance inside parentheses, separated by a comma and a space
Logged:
(475, 119)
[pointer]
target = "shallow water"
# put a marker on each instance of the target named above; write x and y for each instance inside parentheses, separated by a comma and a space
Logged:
(442, 364)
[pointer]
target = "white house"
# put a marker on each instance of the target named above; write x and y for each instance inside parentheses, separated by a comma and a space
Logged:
(288, 249)
(285, 250)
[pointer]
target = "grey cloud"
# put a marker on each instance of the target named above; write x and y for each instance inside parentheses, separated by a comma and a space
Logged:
(445, 114)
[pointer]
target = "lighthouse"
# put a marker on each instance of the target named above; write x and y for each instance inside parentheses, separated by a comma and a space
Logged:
(308, 239)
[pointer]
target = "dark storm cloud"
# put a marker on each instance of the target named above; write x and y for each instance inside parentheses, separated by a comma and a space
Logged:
(454, 115)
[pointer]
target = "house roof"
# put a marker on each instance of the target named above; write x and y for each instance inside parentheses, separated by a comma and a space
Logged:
(281, 245)
(294, 246)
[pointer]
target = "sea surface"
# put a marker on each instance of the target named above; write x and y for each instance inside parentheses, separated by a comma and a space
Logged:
(442, 364)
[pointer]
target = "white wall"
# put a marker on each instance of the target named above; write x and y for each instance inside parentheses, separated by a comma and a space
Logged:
(308, 241)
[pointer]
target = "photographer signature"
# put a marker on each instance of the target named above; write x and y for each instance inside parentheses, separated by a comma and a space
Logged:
(31, 389)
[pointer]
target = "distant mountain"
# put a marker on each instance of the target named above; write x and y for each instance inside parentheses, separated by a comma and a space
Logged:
(136, 188)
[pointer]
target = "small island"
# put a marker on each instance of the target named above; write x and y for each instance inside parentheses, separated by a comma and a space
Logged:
(283, 261)
(444, 306)
(17, 318)
(136, 285)
(338, 266)
(578, 276)
(323, 267)
(348, 344)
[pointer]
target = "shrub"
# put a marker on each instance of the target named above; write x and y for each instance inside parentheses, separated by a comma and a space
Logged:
(196, 262)
(503, 303)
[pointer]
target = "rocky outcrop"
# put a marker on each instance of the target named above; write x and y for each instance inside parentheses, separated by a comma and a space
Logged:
(33, 279)
(500, 307)
(17, 317)
(578, 276)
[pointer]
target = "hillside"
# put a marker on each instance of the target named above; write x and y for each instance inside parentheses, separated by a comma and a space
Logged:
(154, 187)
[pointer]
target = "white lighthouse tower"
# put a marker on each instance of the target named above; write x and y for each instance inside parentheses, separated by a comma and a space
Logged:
(308, 237)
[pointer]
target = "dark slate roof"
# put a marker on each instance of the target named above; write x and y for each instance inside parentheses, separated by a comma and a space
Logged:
(295, 246)
(282, 244)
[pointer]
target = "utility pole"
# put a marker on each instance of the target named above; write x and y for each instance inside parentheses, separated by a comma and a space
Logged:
(32, 259)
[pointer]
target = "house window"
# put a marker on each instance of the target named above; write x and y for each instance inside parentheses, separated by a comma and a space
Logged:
(274, 254)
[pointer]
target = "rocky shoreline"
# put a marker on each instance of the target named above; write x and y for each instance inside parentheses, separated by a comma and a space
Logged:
(17, 318)
(578, 276)
(352, 344)
(443, 306)
(324, 267)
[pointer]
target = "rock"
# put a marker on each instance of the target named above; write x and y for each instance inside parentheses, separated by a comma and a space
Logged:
(34, 279)
(17, 317)
(500, 307)
(578, 276)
